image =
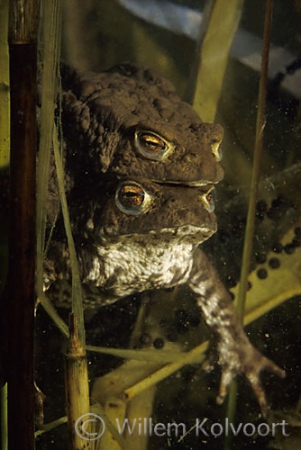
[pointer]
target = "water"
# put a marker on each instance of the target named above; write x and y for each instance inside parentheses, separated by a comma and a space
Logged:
(181, 412)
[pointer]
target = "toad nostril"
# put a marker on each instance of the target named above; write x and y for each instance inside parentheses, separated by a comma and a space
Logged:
(189, 158)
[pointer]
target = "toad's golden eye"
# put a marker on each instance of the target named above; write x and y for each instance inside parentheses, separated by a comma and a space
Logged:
(209, 200)
(152, 143)
(152, 146)
(131, 198)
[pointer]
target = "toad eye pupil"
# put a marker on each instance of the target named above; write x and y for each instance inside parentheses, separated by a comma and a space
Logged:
(131, 196)
(152, 143)
(152, 146)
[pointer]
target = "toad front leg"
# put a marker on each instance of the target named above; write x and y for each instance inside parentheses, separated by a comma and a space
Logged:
(236, 353)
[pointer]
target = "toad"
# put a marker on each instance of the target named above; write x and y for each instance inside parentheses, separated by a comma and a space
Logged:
(140, 172)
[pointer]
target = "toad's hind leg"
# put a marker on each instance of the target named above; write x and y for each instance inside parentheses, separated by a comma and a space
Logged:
(235, 352)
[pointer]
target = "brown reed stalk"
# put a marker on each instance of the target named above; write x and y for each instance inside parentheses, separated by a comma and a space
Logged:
(23, 28)
(250, 227)
(260, 125)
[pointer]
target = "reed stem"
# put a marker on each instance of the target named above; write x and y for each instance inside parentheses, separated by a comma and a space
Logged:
(23, 29)
(250, 227)
(77, 390)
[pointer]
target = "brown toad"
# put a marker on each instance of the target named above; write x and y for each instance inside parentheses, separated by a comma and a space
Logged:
(140, 174)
